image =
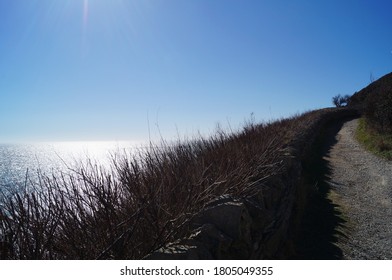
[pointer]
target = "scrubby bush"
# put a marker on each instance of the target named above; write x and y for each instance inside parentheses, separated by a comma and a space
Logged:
(378, 110)
(340, 101)
(146, 200)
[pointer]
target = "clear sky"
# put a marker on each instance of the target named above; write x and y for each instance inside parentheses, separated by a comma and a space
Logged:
(110, 69)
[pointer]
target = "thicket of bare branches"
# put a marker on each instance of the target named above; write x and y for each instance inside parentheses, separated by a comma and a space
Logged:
(144, 201)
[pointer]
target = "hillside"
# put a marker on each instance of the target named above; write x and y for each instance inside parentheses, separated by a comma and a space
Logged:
(375, 128)
(173, 195)
(384, 84)
(173, 201)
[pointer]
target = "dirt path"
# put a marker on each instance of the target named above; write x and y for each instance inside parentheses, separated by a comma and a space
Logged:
(360, 186)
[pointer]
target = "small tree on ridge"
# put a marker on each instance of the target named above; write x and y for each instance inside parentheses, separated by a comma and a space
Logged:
(340, 101)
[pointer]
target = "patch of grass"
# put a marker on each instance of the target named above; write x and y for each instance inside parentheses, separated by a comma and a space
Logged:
(374, 141)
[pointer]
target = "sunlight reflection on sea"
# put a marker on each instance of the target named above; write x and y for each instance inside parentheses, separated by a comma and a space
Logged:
(17, 161)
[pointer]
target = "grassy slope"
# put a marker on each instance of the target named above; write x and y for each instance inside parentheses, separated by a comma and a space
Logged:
(377, 143)
(145, 201)
(380, 144)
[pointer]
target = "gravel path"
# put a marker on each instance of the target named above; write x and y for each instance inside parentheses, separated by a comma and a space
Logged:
(361, 184)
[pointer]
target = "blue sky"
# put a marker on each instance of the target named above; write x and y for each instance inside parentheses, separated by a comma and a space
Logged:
(110, 70)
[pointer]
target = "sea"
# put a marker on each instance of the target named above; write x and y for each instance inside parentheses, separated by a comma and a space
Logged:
(23, 161)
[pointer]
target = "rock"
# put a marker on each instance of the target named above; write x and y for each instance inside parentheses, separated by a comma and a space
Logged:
(180, 252)
(232, 218)
(216, 242)
(206, 242)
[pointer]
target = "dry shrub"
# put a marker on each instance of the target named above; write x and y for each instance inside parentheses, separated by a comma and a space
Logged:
(145, 200)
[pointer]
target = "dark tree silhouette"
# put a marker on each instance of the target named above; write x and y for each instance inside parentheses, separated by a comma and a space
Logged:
(340, 101)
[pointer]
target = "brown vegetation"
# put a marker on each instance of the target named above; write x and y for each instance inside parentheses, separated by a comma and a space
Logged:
(375, 129)
(144, 201)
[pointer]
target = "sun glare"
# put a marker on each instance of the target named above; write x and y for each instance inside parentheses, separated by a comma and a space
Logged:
(85, 13)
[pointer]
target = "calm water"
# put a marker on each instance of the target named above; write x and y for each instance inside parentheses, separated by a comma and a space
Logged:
(17, 160)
